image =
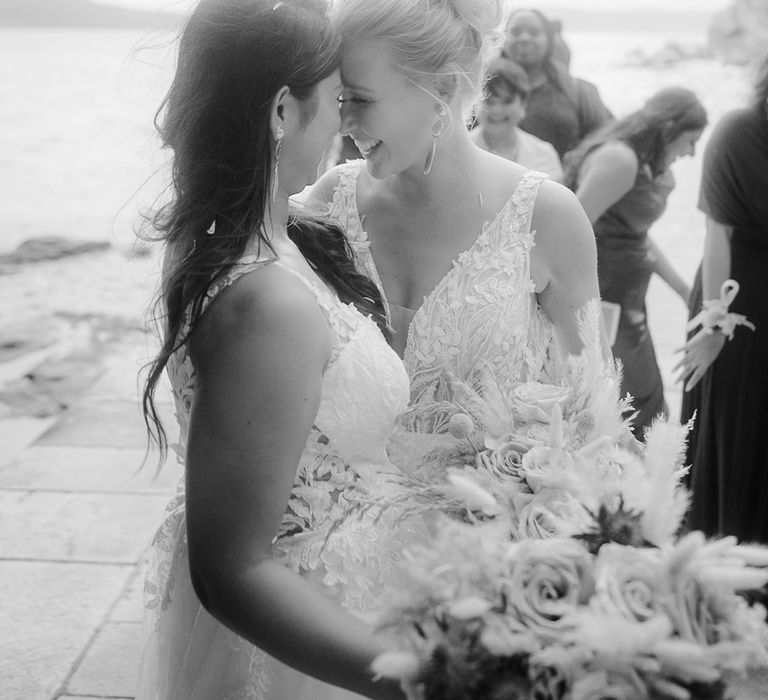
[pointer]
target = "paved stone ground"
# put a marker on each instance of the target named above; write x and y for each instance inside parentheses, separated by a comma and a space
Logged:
(76, 518)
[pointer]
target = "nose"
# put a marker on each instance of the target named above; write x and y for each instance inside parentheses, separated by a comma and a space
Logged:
(347, 119)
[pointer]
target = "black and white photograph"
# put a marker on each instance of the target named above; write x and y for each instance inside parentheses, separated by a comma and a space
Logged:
(389, 349)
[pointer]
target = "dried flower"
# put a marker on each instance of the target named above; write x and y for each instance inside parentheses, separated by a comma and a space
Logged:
(461, 425)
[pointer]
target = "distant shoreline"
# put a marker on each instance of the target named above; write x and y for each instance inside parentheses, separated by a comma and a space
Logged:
(81, 14)
(84, 14)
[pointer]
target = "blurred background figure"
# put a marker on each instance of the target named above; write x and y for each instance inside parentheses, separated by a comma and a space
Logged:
(561, 109)
(502, 108)
(727, 447)
(621, 176)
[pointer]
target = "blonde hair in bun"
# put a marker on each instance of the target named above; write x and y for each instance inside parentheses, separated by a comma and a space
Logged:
(484, 16)
(442, 45)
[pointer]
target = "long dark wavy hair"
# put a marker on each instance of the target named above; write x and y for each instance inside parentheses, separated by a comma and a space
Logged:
(234, 56)
(647, 131)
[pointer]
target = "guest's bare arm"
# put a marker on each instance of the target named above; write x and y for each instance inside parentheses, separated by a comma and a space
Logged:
(259, 354)
(702, 350)
(664, 269)
(563, 261)
(605, 177)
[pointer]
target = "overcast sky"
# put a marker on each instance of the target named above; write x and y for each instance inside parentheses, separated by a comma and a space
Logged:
(614, 5)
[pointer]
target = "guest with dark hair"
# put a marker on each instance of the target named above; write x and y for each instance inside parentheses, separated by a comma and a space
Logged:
(283, 382)
(505, 95)
(561, 109)
(621, 174)
(724, 367)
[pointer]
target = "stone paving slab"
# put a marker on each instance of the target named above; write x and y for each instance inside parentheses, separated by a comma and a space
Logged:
(105, 424)
(93, 697)
(130, 606)
(110, 528)
(48, 614)
(93, 469)
(17, 434)
(111, 663)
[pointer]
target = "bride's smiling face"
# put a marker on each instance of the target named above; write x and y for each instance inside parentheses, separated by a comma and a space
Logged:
(389, 117)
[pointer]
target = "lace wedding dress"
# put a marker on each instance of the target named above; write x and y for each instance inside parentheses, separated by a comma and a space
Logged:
(483, 312)
(189, 655)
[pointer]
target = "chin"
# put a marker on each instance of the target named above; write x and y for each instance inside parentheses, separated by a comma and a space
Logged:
(376, 170)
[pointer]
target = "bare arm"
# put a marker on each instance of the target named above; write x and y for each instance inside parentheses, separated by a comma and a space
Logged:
(663, 268)
(702, 350)
(605, 177)
(564, 262)
(259, 355)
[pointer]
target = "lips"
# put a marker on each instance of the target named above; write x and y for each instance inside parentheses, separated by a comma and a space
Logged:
(366, 146)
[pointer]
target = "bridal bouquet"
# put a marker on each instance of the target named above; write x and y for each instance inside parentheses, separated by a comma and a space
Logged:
(554, 569)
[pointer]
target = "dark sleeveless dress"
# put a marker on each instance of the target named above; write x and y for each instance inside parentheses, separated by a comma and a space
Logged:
(624, 265)
(728, 447)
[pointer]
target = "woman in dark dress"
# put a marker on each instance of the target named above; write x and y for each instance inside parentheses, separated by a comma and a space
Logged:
(621, 176)
(727, 380)
(561, 109)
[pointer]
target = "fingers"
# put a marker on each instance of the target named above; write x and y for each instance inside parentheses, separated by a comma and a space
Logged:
(694, 380)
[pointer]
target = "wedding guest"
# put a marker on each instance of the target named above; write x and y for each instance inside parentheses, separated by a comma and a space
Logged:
(284, 385)
(726, 383)
(561, 109)
(482, 262)
(505, 93)
(622, 178)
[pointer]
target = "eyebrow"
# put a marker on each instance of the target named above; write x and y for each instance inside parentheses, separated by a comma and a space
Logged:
(357, 88)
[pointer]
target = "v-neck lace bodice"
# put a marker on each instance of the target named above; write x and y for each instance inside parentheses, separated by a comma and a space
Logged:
(483, 312)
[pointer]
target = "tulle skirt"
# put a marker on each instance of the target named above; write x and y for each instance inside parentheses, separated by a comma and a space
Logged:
(189, 655)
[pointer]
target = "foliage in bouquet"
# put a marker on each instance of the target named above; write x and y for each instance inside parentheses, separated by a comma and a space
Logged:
(554, 458)
(556, 570)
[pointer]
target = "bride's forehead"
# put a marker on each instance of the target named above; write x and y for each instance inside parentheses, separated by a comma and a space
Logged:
(372, 58)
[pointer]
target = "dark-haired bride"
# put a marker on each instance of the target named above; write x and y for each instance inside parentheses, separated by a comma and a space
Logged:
(285, 387)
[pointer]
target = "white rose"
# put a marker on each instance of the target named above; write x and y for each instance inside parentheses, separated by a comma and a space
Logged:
(534, 401)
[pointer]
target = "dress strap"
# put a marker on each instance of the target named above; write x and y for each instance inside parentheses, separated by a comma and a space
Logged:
(320, 292)
(515, 224)
(342, 329)
(241, 267)
(343, 205)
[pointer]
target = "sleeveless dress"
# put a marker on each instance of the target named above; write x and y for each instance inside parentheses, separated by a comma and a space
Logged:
(483, 312)
(727, 447)
(188, 654)
(625, 264)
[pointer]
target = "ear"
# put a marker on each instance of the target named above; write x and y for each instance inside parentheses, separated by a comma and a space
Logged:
(668, 131)
(446, 86)
(284, 112)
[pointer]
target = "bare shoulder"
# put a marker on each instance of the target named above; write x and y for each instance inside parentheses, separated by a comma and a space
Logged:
(266, 307)
(613, 156)
(565, 252)
(556, 213)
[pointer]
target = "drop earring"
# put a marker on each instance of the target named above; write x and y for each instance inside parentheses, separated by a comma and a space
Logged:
(278, 146)
(437, 132)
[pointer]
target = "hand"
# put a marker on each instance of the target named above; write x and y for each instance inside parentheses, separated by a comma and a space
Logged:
(698, 354)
